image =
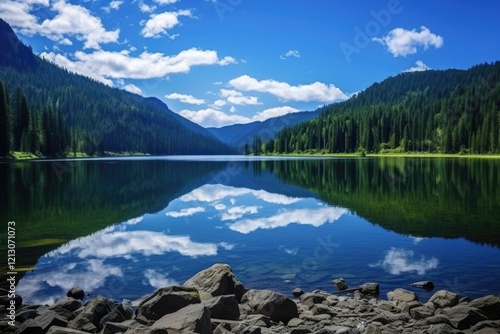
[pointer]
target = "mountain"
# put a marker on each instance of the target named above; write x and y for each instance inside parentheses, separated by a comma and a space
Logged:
(448, 111)
(50, 111)
(238, 135)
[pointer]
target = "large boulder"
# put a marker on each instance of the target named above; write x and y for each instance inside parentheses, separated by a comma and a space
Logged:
(92, 313)
(49, 319)
(166, 300)
(190, 319)
(223, 307)
(401, 296)
(463, 317)
(76, 293)
(68, 303)
(488, 305)
(217, 280)
(444, 298)
(273, 304)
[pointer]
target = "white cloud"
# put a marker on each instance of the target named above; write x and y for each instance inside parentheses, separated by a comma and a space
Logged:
(213, 117)
(236, 212)
(291, 53)
(74, 20)
(420, 66)
(146, 8)
(274, 112)
(399, 261)
(166, 2)
(103, 65)
(189, 99)
(238, 98)
(316, 91)
(133, 89)
(402, 42)
(17, 14)
(313, 217)
(186, 212)
(219, 103)
(115, 4)
(158, 280)
(159, 24)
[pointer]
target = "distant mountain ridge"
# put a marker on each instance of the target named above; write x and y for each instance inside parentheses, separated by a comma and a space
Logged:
(98, 118)
(237, 135)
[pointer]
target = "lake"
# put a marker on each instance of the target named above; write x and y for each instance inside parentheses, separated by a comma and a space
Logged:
(124, 227)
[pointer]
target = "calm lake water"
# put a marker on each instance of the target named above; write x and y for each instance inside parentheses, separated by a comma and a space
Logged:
(123, 228)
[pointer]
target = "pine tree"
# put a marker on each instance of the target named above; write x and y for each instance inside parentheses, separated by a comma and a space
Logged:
(5, 124)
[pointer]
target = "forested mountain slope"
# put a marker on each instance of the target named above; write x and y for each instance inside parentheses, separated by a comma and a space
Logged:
(447, 111)
(47, 110)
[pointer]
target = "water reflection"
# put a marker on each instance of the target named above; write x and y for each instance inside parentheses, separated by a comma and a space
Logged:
(279, 224)
(399, 260)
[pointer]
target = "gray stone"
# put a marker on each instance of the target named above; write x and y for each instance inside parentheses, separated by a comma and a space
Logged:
(408, 306)
(49, 319)
(463, 317)
(244, 329)
(92, 312)
(369, 288)
(441, 329)
(68, 303)
(166, 300)
(309, 299)
(259, 320)
(401, 296)
(25, 314)
(295, 322)
(223, 307)
(76, 293)
(64, 330)
(322, 309)
(297, 292)
(113, 328)
(190, 319)
(340, 284)
(421, 312)
(30, 326)
(217, 280)
(270, 303)
(488, 330)
(488, 305)
(444, 298)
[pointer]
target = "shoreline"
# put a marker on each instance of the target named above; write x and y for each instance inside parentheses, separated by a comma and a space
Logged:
(21, 156)
(215, 301)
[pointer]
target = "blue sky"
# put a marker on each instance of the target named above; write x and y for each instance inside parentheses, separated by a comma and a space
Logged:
(220, 62)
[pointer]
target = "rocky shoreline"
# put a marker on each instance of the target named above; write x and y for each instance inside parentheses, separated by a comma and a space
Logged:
(215, 301)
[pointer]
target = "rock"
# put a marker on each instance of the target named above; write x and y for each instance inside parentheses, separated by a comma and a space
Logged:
(5, 299)
(25, 314)
(223, 307)
(487, 331)
(295, 322)
(322, 309)
(30, 326)
(297, 292)
(463, 317)
(92, 313)
(49, 319)
(401, 296)
(113, 328)
(68, 303)
(259, 320)
(116, 315)
(369, 288)
(340, 284)
(421, 312)
(270, 303)
(444, 298)
(217, 280)
(190, 319)
(244, 329)
(441, 329)
(166, 300)
(309, 299)
(426, 285)
(64, 330)
(76, 293)
(488, 305)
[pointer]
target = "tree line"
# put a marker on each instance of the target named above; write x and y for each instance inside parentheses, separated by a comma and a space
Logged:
(452, 111)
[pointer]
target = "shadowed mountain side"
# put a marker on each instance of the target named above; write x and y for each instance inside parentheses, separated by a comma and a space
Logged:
(49, 211)
(238, 135)
(447, 198)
